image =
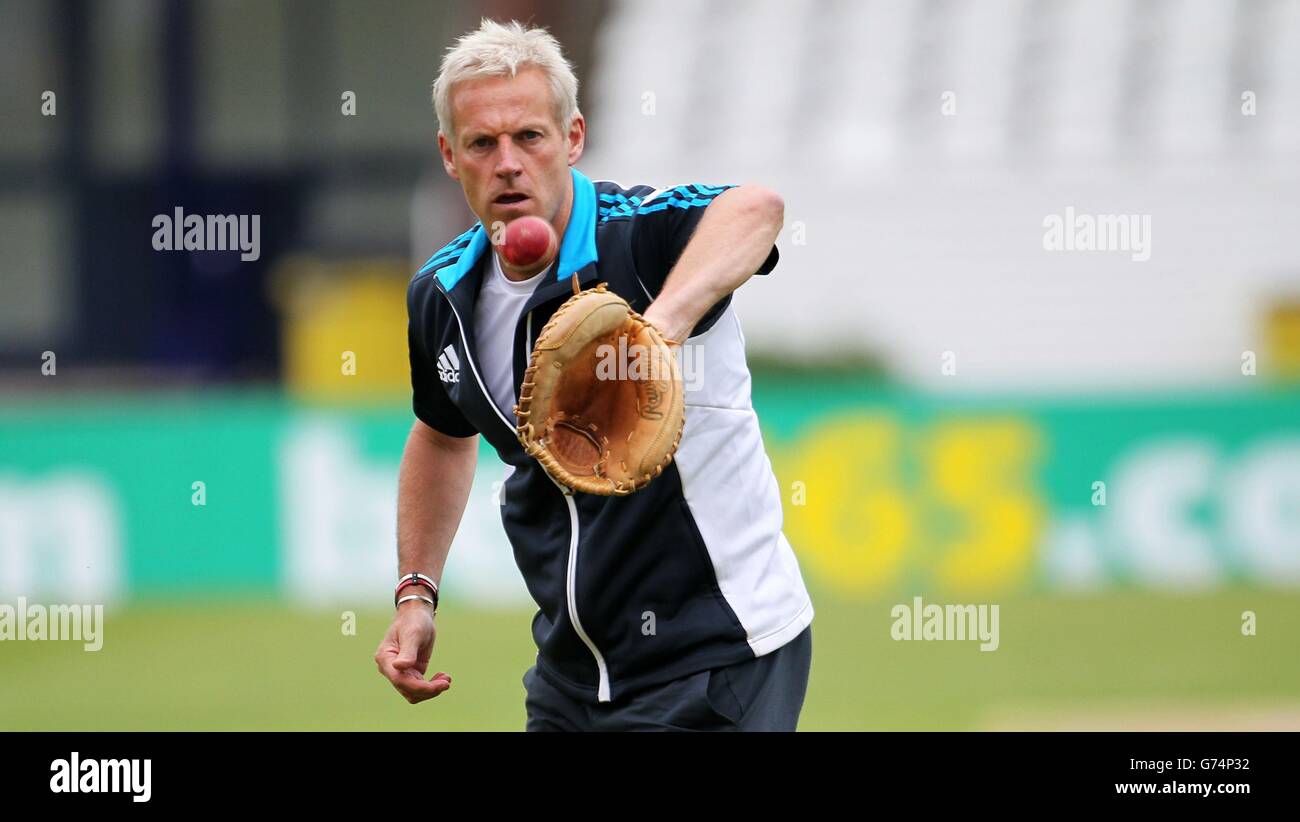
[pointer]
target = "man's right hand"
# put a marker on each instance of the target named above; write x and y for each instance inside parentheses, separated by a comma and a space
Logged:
(403, 654)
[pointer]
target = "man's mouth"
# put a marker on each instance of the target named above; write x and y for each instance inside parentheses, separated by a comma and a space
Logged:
(510, 197)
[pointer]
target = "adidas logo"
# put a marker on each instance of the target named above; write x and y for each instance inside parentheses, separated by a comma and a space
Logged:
(449, 365)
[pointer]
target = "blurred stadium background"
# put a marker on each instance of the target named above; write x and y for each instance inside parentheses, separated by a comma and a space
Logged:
(939, 393)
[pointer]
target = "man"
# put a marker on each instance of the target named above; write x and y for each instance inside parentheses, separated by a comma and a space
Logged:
(680, 606)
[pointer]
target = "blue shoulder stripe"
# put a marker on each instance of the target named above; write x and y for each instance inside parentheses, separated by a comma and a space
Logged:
(457, 265)
(684, 197)
(618, 206)
(448, 253)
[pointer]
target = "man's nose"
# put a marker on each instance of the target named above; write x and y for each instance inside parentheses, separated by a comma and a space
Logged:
(508, 164)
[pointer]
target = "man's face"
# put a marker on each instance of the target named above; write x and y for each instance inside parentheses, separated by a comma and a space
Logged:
(508, 152)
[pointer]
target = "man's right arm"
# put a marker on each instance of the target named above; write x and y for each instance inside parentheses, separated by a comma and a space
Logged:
(432, 488)
(434, 481)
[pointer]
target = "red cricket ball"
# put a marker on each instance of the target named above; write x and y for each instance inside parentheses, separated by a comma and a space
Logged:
(527, 240)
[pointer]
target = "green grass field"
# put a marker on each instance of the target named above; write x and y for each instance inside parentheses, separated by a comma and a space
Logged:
(1116, 660)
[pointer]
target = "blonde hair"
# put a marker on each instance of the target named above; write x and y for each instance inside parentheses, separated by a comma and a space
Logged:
(501, 49)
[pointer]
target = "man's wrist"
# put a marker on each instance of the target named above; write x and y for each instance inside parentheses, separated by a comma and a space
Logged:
(416, 584)
(667, 325)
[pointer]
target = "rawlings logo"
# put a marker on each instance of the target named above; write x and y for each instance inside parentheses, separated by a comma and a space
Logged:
(656, 393)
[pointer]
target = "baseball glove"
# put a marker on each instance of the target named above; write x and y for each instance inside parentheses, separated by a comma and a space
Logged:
(601, 405)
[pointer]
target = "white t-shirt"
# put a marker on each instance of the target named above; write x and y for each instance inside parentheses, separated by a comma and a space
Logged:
(500, 300)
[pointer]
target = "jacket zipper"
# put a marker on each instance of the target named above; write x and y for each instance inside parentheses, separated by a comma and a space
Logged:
(571, 575)
(571, 583)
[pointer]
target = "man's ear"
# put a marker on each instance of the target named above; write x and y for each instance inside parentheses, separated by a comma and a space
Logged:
(577, 137)
(444, 148)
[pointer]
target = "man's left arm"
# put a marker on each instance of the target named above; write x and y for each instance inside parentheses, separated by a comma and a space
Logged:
(733, 240)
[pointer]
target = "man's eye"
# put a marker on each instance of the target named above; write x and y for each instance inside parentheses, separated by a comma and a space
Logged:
(482, 142)
(532, 135)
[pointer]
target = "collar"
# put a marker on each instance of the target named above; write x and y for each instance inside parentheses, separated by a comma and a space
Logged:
(577, 248)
